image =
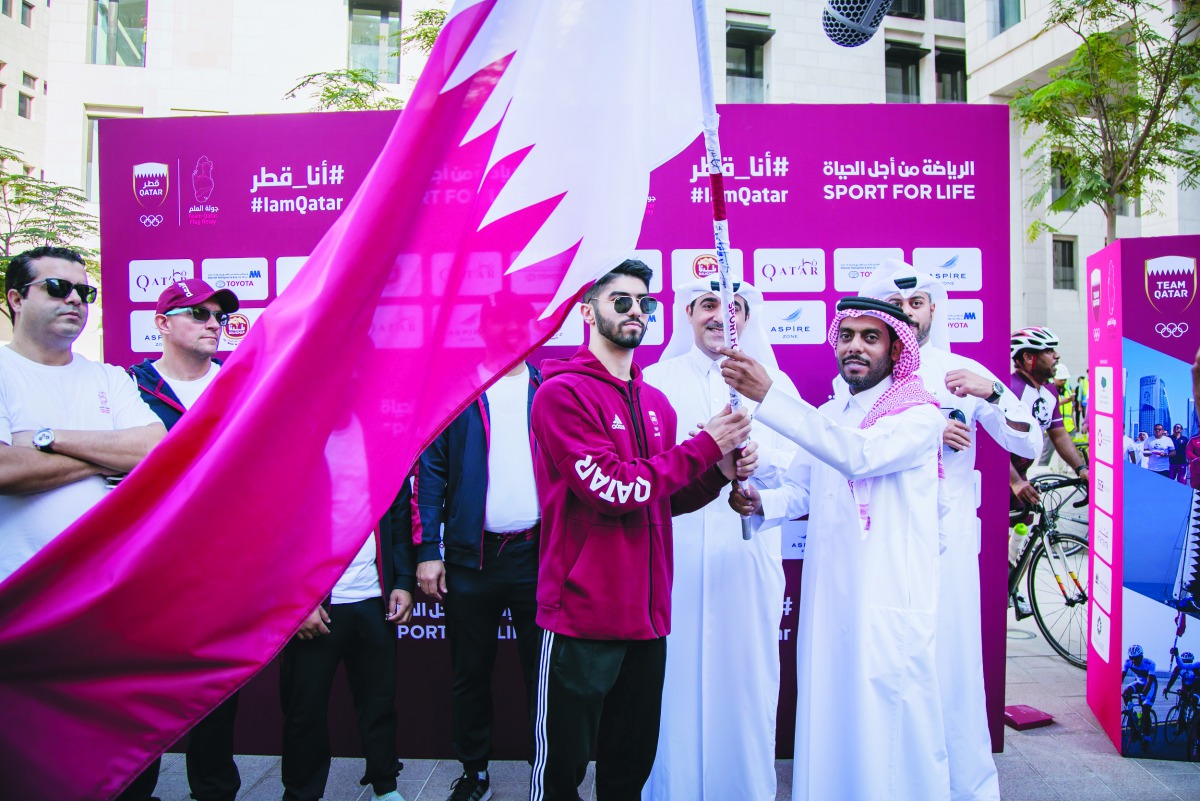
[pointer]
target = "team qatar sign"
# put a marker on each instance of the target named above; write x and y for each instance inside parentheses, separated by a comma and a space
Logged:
(1144, 616)
(818, 197)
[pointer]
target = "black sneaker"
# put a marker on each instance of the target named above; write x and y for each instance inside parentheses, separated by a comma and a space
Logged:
(469, 787)
(1024, 610)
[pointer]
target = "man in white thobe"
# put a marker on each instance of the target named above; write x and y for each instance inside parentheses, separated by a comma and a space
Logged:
(868, 707)
(965, 385)
(717, 736)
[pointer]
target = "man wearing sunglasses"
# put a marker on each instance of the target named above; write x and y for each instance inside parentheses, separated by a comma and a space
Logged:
(190, 317)
(609, 476)
(66, 422)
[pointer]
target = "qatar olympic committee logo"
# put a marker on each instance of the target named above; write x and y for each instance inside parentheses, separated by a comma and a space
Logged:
(151, 181)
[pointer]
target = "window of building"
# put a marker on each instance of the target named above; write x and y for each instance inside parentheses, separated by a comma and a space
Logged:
(745, 53)
(27, 14)
(117, 32)
(951, 68)
(6, 7)
(24, 106)
(28, 81)
(902, 71)
(914, 9)
(91, 160)
(374, 34)
(953, 10)
(1064, 263)
(1009, 13)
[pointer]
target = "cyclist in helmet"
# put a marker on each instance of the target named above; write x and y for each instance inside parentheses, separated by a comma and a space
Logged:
(1145, 682)
(1188, 673)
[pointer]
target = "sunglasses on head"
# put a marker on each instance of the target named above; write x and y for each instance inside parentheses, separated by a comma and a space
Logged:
(624, 303)
(200, 314)
(61, 288)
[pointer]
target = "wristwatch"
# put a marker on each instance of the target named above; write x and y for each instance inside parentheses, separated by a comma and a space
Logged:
(997, 391)
(43, 440)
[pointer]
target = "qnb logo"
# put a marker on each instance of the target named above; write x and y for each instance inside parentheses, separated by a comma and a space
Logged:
(151, 220)
(607, 487)
(1171, 330)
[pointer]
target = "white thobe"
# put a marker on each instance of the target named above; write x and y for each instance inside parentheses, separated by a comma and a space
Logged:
(717, 735)
(959, 636)
(868, 707)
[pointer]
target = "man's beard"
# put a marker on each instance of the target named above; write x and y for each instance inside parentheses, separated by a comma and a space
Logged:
(922, 331)
(876, 372)
(616, 333)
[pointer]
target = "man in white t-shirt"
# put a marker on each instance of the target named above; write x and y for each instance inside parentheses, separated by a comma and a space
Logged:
(66, 422)
(1159, 451)
(190, 317)
(476, 500)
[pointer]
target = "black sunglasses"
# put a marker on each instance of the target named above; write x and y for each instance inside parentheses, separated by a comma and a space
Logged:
(61, 288)
(624, 303)
(200, 314)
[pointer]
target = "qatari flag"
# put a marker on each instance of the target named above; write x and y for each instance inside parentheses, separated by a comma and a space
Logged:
(529, 140)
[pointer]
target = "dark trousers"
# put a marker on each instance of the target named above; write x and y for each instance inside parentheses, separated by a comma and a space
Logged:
(1179, 472)
(475, 602)
(602, 694)
(358, 635)
(212, 774)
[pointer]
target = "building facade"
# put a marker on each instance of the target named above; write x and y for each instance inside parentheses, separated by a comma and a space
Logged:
(65, 67)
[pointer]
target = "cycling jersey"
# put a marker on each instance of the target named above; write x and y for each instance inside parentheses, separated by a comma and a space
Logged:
(1043, 402)
(1142, 676)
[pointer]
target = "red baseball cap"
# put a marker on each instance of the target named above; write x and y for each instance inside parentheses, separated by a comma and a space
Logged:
(193, 292)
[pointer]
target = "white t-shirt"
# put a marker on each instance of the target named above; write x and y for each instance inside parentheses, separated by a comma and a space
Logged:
(80, 396)
(188, 392)
(361, 579)
(1156, 452)
(512, 501)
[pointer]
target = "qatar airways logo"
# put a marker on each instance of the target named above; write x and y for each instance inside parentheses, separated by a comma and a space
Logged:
(607, 487)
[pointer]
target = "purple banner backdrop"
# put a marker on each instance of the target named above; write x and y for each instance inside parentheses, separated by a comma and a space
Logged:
(817, 195)
(1144, 337)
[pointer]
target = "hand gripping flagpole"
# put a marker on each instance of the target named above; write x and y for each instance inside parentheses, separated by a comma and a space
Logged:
(716, 179)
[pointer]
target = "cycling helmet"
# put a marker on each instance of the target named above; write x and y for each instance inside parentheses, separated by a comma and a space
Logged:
(1186, 658)
(1032, 338)
(1135, 651)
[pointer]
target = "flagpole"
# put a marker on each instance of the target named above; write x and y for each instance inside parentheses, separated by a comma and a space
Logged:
(716, 180)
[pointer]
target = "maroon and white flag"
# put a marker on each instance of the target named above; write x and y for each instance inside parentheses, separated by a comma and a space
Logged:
(528, 142)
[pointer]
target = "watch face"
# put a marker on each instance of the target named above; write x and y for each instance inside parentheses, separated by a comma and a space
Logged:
(43, 438)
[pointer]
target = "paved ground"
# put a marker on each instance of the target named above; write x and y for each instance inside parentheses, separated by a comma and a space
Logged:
(1071, 760)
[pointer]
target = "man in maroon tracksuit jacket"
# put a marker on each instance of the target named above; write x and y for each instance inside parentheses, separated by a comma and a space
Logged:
(610, 477)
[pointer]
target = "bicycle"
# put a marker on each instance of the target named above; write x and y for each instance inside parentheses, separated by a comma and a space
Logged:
(1067, 500)
(1184, 719)
(1133, 724)
(1055, 566)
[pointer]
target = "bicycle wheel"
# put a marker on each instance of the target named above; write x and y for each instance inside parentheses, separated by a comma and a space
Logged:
(1128, 727)
(1060, 601)
(1172, 728)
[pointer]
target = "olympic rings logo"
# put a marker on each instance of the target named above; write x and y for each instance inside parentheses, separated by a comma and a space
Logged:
(151, 220)
(1171, 330)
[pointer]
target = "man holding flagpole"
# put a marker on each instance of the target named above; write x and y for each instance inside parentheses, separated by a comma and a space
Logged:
(610, 476)
(868, 708)
(717, 736)
(963, 385)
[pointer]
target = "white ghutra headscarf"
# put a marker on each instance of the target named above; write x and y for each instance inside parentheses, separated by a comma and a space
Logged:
(753, 339)
(897, 278)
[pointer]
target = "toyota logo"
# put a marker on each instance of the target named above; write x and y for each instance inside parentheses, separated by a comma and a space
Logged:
(151, 220)
(1171, 330)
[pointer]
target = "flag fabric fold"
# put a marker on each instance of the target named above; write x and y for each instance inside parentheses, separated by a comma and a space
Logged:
(527, 144)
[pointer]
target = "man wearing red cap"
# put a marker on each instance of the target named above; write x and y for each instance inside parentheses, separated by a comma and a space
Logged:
(190, 317)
